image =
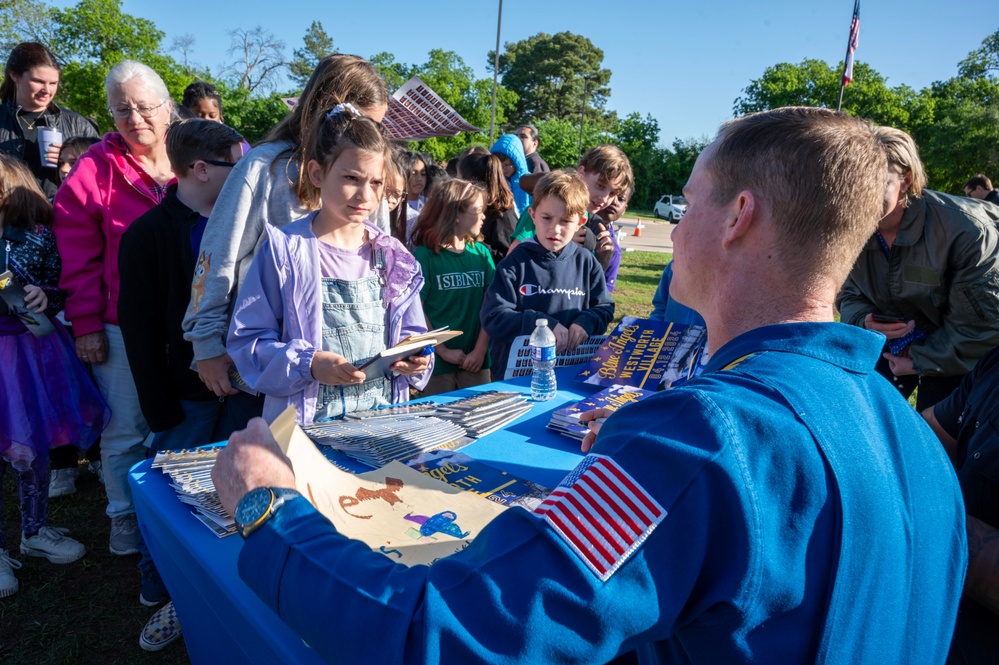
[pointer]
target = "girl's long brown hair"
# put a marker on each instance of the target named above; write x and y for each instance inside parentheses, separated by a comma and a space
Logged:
(337, 79)
(21, 200)
(435, 228)
(487, 170)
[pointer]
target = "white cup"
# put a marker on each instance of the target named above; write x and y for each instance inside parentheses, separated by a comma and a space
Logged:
(46, 137)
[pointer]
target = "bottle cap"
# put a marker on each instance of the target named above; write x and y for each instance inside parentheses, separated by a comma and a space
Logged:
(541, 322)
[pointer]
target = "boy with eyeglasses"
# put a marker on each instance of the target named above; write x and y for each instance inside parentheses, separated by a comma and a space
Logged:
(158, 256)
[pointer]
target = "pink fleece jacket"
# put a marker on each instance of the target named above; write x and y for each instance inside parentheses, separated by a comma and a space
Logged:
(105, 192)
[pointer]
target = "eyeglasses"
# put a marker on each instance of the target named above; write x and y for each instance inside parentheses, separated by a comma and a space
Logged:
(125, 112)
(213, 162)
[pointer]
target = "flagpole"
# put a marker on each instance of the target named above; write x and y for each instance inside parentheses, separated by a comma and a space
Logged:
(499, 22)
(851, 46)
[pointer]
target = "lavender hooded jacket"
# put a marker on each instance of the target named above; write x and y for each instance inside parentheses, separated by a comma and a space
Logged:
(276, 327)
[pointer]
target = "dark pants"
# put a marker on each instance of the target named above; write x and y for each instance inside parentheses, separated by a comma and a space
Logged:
(976, 636)
(932, 389)
(68, 457)
(33, 488)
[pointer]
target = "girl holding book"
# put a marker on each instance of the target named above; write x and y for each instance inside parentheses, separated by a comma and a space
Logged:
(48, 398)
(329, 291)
(458, 268)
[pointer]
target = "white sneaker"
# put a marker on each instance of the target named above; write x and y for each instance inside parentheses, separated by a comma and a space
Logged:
(8, 583)
(97, 468)
(62, 482)
(53, 544)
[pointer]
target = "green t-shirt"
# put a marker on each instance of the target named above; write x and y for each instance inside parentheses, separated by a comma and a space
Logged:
(525, 227)
(453, 288)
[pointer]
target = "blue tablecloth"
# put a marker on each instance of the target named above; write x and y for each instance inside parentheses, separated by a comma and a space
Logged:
(223, 621)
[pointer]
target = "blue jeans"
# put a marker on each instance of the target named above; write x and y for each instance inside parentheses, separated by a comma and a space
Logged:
(208, 421)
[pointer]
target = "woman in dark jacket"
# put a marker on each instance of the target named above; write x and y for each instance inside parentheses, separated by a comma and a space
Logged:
(30, 81)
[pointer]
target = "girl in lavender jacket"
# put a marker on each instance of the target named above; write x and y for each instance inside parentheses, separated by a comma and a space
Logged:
(329, 291)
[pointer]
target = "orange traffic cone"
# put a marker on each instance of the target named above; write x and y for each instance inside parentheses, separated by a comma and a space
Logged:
(638, 229)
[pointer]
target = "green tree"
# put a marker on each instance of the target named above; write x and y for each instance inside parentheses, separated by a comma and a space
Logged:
(24, 21)
(816, 83)
(551, 74)
(963, 137)
(317, 44)
(678, 163)
(93, 36)
(559, 141)
(395, 73)
(982, 60)
(251, 115)
(639, 138)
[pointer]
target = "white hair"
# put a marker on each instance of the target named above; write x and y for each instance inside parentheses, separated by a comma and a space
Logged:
(126, 70)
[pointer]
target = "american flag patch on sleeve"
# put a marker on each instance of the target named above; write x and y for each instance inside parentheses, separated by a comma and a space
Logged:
(601, 513)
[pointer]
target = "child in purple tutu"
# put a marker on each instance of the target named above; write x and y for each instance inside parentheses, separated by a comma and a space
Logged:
(48, 399)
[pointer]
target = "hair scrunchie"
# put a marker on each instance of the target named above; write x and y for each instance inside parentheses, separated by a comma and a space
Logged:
(340, 109)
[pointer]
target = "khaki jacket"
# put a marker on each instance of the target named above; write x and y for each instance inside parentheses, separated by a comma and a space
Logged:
(943, 273)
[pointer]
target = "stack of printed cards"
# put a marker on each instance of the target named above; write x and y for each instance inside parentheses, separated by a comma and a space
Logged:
(390, 412)
(486, 412)
(376, 442)
(190, 477)
(565, 421)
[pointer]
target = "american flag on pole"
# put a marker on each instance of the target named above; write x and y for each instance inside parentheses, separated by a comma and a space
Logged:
(851, 45)
(602, 513)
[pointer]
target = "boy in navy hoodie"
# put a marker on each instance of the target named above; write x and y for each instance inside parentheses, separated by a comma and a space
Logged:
(549, 276)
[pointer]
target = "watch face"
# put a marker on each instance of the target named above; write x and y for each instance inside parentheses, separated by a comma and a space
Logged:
(253, 506)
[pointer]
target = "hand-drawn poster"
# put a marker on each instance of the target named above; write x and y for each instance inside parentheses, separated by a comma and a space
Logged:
(398, 511)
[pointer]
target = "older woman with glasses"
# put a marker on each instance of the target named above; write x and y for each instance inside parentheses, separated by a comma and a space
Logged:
(115, 182)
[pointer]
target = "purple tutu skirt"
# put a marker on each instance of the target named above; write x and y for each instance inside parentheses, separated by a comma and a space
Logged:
(47, 398)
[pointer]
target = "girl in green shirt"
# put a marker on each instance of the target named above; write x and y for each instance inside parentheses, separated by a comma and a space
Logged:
(457, 269)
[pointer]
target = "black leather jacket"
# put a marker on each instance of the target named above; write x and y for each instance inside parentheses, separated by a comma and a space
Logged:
(12, 140)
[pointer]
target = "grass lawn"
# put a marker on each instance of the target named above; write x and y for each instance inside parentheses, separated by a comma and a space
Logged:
(79, 613)
(636, 283)
(88, 611)
(640, 213)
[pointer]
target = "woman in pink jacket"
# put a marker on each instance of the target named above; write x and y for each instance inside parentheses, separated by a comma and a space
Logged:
(118, 180)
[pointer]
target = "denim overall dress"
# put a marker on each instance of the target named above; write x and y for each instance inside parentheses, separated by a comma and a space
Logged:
(355, 326)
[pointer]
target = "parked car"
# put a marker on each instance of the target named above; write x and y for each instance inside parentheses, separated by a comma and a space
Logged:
(670, 207)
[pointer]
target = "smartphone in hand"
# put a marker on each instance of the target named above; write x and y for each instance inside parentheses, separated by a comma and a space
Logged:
(888, 318)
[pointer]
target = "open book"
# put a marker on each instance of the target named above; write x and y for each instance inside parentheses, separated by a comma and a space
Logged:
(414, 345)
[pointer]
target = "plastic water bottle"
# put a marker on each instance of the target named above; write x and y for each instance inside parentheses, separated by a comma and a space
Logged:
(543, 384)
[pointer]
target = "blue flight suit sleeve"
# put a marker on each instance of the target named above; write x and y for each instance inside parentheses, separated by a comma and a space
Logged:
(518, 593)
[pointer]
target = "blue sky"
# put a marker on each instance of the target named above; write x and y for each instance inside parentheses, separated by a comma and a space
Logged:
(683, 62)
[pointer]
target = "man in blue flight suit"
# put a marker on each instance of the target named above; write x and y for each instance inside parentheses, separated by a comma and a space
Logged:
(786, 506)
